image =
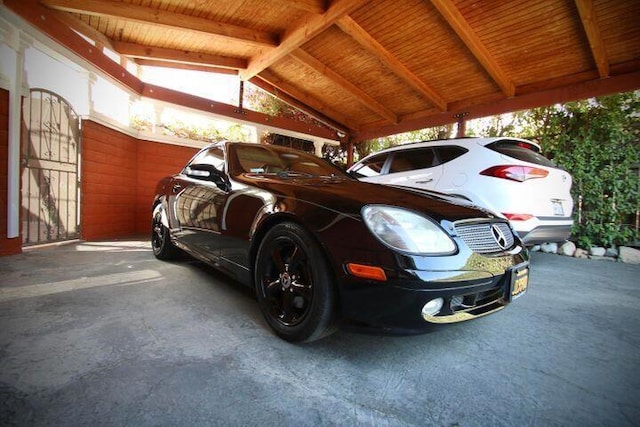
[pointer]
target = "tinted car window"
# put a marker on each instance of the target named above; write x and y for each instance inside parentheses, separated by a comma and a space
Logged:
(260, 159)
(448, 153)
(213, 156)
(520, 150)
(409, 160)
(371, 167)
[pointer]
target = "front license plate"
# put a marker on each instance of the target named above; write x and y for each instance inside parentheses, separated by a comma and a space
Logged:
(558, 210)
(519, 282)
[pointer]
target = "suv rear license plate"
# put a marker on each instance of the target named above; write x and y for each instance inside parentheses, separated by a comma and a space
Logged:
(558, 210)
(519, 281)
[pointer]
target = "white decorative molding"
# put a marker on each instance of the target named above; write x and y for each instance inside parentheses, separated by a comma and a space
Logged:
(141, 135)
(5, 83)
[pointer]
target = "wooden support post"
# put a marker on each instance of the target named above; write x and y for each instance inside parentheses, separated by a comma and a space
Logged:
(241, 97)
(462, 124)
(350, 148)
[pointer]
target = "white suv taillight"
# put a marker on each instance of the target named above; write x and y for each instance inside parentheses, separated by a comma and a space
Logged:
(515, 172)
(517, 217)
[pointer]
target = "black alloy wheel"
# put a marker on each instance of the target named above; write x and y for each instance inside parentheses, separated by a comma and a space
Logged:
(160, 240)
(293, 284)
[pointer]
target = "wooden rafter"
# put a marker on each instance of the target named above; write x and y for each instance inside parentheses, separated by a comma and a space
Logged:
(311, 6)
(232, 112)
(305, 98)
(133, 50)
(363, 97)
(587, 16)
(473, 109)
(351, 28)
(183, 66)
(288, 99)
(299, 35)
(165, 18)
(462, 28)
(84, 29)
(45, 20)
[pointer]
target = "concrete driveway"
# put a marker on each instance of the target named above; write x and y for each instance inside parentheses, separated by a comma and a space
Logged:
(104, 334)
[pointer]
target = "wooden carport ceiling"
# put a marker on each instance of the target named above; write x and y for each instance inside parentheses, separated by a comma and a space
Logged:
(373, 68)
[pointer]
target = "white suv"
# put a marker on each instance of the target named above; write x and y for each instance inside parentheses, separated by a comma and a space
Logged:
(505, 175)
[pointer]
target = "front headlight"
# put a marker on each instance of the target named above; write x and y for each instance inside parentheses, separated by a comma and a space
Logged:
(407, 231)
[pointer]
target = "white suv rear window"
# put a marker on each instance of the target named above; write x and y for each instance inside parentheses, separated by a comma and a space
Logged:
(522, 151)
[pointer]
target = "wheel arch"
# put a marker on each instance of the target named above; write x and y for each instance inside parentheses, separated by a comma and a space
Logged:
(271, 221)
(159, 206)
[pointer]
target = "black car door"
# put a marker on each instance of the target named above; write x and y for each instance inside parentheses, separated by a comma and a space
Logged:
(199, 202)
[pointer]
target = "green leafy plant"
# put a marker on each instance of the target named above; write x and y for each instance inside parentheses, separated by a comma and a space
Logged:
(596, 140)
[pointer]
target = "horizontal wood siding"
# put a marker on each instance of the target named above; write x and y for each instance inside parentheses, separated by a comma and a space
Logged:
(155, 161)
(119, 176)
(108, 183)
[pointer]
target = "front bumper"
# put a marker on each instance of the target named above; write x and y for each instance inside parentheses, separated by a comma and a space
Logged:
(397, 306)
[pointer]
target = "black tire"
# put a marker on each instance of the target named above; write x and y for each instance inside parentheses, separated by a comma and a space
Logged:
(160, 241)
(294, 285)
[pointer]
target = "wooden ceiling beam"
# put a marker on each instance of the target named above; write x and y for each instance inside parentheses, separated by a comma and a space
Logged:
(351, 28)
(462, 28)
(473, 109)
(300, 34)
(147, 15)
(134, 50)
(288, 99)
(305, 98)
(83, 28)
(591, 28)
(311, 6)
(233, 113)
(363, 97)
(45, 20)
(183, 66)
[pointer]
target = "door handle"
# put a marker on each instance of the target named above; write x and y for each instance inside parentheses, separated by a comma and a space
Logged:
(425, 181)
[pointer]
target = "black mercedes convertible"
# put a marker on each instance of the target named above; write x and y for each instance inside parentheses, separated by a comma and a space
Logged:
(322, 249)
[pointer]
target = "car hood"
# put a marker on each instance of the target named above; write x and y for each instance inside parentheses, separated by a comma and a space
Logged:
(348, 196)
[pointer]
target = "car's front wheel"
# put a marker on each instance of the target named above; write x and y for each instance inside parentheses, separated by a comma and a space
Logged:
(293, 284)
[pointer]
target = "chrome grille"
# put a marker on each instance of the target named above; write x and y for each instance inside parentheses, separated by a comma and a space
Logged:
(484, 237)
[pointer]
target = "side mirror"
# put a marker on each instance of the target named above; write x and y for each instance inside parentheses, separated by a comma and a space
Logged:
(208, 173)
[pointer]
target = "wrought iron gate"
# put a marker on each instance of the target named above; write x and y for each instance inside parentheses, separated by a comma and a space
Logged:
(50, 175)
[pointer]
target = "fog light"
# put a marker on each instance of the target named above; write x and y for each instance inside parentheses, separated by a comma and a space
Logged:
(432, 308)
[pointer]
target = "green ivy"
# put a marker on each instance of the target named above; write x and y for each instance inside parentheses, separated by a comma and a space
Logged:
(596, 140)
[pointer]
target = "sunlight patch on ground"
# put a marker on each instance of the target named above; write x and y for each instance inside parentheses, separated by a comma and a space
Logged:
(116, 279)
(114, 246)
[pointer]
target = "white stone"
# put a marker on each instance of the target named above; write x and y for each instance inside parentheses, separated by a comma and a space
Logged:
(581, 253)
(629, 255)
(597, 251)
(611, 252)
(549, 248)
(535, 248)
(567, 249)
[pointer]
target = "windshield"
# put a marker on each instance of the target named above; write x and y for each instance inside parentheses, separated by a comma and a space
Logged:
(269, 159)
